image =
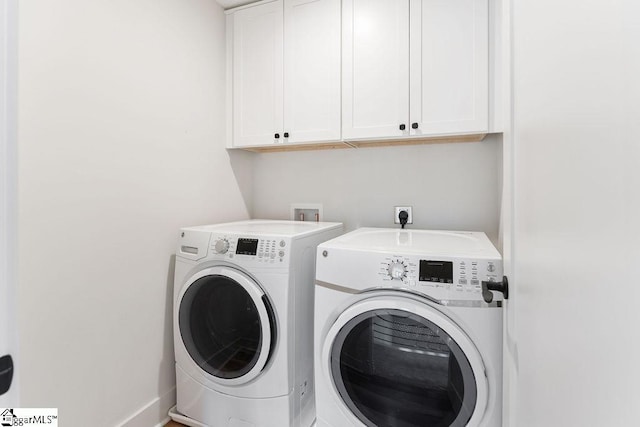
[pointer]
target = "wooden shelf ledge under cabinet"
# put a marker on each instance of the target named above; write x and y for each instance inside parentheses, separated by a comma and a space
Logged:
(276, 148)
(418, 141)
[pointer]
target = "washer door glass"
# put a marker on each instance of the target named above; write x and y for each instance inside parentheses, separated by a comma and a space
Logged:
(395, 368)
(222, 327)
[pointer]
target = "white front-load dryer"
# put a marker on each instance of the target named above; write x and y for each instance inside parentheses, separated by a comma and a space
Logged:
(243, 334)
(403, 334)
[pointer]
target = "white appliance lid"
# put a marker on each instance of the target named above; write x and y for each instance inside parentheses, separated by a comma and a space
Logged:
(440, 242)
(260, 227)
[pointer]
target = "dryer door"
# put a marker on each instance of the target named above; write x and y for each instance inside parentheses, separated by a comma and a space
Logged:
(402, 362)
(227, 325)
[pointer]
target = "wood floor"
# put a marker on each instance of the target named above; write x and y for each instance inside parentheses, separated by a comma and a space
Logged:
(173, 424)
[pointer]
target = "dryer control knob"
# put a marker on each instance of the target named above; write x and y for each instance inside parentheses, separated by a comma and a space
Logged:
(222, 246)
(397, 270)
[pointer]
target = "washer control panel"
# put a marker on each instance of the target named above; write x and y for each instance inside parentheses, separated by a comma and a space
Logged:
(257, 250)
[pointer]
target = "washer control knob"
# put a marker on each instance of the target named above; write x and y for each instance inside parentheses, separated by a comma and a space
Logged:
(222, 246)
(397, 270)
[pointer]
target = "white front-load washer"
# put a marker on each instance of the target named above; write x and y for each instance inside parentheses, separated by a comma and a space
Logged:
(403, 335)
(243, 324)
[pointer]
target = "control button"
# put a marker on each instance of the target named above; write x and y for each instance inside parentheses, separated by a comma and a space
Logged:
(397, 270)
(273, 255)
(462, 281)
(281, 254)
(222, 246)
(474, 282)
(491, 268)
(282, 243)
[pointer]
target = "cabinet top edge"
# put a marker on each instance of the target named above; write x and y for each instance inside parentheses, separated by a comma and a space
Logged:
(236, 5)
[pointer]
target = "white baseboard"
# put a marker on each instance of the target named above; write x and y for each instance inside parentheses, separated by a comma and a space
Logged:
(154, 413)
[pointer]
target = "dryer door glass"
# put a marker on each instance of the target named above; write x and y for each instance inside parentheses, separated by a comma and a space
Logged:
(221, 326)
(395, 368)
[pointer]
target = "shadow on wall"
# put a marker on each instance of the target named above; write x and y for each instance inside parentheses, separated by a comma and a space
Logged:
(242, 163)
(167, 371)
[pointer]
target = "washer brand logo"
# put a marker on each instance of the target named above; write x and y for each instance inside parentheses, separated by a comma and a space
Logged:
(29, 417)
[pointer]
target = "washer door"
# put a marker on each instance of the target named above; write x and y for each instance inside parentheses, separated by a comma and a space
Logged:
(398, 361)
(227, 325)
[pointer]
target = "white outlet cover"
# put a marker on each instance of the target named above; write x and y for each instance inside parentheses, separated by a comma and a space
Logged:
(398, 209)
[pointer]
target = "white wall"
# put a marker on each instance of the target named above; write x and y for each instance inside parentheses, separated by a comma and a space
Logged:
(8, 191)
(577, 213)
(121, 128)
(450, 186)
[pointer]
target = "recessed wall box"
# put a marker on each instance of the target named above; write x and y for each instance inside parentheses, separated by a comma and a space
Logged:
(306, 212)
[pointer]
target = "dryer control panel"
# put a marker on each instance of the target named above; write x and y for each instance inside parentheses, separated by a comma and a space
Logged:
(445, 265)
(457, 276)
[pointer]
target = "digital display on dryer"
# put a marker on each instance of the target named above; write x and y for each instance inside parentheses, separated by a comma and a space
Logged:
(247, 247)
(436, 271)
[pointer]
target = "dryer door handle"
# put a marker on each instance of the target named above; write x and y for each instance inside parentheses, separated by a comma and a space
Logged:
(487, 287)
(6, 373)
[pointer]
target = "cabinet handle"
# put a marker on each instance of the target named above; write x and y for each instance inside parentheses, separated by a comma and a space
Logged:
(402, 127)
(277, 136)
(414, 126)
(286, 134)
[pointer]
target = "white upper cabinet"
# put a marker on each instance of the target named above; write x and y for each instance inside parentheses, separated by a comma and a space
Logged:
(414, 68)
(285, 72)
(312, 70)
(449, 66)
(375, 61)
(257, 73)
(325, 71)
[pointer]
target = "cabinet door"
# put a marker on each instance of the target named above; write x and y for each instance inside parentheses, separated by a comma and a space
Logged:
(312, 70)
(449, 66)
(375, 61)
(257, 74)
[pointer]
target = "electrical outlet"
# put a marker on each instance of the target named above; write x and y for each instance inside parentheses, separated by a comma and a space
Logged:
(397, 210)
